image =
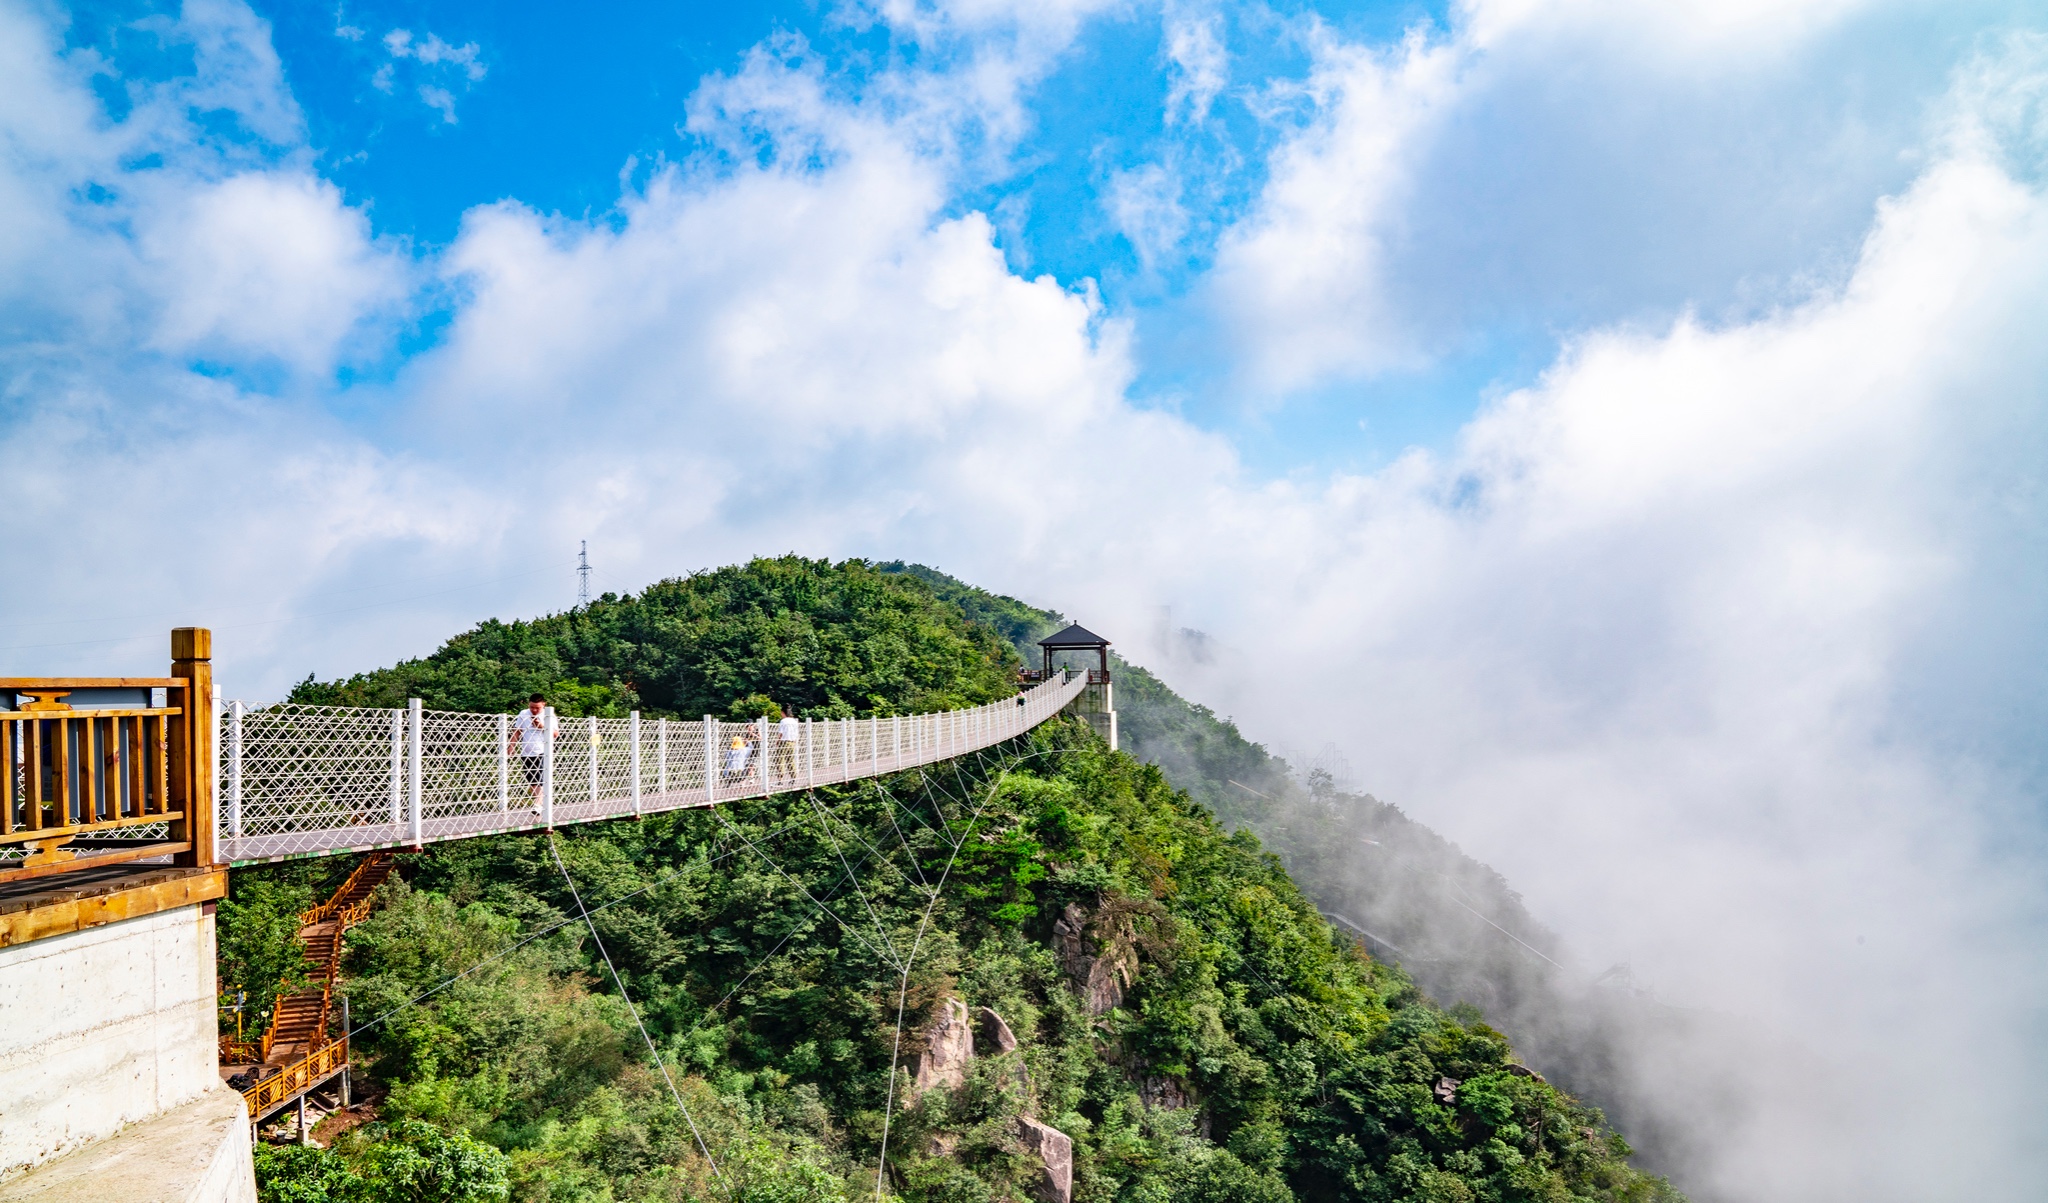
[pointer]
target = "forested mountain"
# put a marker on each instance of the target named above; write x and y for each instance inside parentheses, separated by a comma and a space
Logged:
(1129, 975)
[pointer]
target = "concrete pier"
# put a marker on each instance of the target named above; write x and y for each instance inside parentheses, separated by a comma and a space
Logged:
(108, 1053)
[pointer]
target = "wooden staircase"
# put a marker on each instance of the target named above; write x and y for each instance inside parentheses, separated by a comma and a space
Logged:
(298, 1026)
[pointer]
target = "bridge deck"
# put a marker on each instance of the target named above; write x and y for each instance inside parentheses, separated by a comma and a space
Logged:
(313, 780)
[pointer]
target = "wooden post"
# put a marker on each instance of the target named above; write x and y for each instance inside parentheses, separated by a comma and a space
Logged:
(344, 1056)
(192, 745)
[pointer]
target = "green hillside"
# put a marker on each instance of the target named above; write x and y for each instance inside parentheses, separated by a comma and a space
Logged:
(1179, 1009)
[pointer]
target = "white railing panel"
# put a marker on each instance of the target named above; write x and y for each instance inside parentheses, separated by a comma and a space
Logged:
(318, 779)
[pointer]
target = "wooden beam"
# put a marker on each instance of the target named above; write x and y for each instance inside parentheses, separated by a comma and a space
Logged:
(58, 910)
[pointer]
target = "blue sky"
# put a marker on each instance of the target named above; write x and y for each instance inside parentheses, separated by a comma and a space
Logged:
(1616, 427)
(481, 103)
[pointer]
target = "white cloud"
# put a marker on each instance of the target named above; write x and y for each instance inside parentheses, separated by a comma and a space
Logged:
(1300, 279)
(265, 263)
(1145, 204)
(1200, 67)
(461, 66)
(1671, 30)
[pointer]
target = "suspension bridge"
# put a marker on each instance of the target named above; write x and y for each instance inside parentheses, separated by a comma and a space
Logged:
(314, 780)
(123, 801)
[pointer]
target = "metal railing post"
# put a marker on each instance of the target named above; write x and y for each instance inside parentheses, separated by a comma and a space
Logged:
(504, 763)
(661, 757)
(235, 769)
(710, 759)
(765, 734)
(633, 755)
(414, 773)
(547, 769)
(897, 740)
(591, 725)
(397, 770)
(809, 753)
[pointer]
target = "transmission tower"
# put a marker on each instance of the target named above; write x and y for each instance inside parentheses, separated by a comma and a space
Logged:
(583, 574)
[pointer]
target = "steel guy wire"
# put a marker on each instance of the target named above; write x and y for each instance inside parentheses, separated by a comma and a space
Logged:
(841, 854)
(1490, 923)
(843, 924)
(903, 989)
(635, 1012)
(554, 927)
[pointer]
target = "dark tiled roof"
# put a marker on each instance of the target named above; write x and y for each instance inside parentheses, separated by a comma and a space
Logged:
(1074, 636)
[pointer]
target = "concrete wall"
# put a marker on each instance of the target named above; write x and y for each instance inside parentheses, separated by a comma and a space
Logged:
(104, 1028)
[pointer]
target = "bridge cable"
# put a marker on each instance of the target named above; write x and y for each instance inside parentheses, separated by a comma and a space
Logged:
(903, 988)
(848, 928)
(629, 895)
(635, 1013)
(811, 797)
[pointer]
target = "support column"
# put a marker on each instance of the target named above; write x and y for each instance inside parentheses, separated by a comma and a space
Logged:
(633, 755)
(235, 769)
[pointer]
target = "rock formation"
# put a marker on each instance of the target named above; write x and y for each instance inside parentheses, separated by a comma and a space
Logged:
(1055, 1153)
(994, 1032)
(1101, 969)
(948, 1047)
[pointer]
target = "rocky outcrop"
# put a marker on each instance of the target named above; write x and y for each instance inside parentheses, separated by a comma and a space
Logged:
(1102, 969)
(1523, 1071)
(1055, 1153)
(1447, 1090)
(995, 1034)
(948, 1047)
(1168, 1094)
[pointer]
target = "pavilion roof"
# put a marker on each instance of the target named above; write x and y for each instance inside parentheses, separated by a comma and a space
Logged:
(1075, 635)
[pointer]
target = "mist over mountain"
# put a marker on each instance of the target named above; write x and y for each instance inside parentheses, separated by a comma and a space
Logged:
(1453, 924)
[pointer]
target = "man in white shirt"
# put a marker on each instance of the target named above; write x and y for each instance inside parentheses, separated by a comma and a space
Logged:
(786, 733)
(530, 740)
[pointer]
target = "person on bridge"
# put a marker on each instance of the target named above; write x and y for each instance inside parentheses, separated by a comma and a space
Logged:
(786, 735)
(530, 739)
(736, 756)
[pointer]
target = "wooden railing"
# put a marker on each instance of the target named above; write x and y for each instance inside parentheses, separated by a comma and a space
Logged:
(325, 910)
(88, 764)
(300, 1075)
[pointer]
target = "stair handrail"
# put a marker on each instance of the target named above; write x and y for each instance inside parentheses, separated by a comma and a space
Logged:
(318, 914)
(296, 1077)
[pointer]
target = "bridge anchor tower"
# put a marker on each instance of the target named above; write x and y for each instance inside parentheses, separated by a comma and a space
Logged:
(1096, 703)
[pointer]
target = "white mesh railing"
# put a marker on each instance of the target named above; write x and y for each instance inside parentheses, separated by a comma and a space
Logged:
(309, 780)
